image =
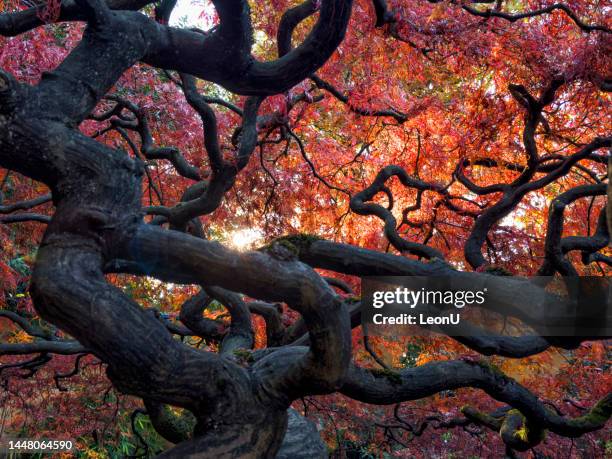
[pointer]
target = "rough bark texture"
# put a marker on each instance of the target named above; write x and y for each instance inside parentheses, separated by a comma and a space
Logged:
(302, 440)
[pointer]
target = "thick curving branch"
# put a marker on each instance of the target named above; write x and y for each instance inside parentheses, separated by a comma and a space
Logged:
(359, 204)
(24, 217)
(209, 122)
(510, 296)
(431, 378)
(191, 315)
(240, 334)
(322, 84)
(224, 172)
(272, 315)
(46, 346)
(140, 124)
(514, 192)
(13, 24)
(554, 251)
(289, 21)
(228, 60)
(322, 369)
(235, 69)
(26, 325)
(490, 13)
(25, 205)
(173, 427)
(505, 346)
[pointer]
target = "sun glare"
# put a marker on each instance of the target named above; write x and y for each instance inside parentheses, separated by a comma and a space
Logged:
(244, 239)
(193, 13)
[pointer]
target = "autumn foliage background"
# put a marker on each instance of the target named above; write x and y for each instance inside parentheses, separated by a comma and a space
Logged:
(446, 74)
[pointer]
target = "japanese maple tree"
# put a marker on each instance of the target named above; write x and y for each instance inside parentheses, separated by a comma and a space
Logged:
(190, 206)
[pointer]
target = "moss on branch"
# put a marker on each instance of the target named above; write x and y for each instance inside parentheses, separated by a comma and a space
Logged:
(290, 246)
(393, 376)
